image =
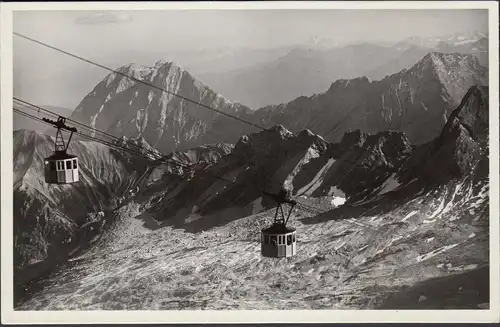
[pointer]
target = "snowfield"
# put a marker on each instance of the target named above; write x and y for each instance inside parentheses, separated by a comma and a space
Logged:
(363, 263)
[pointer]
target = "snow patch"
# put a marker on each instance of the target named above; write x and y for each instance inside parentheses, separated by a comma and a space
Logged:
(438, 210)
(389, 244)
(316, 182)
(172, 84)
(464, 41)
(433, 253)
(257, 205)
(338, 196)
(390, 184)
(449, 267)
(124, 84)
(93, 120)
(340, 246)
(141, 120)
(110, 79)
(410, 215)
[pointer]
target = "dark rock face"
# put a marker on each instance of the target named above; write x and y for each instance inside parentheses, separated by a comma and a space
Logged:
(461, 145)
(268, 160)
(368, 166)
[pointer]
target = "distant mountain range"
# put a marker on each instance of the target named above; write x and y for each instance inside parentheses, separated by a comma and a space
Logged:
(308, 70)
(454, 39)
(416, 101)
(246, 75)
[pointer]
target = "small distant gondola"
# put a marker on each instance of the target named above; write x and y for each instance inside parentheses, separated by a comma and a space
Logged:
(279, 240)
(61, 167)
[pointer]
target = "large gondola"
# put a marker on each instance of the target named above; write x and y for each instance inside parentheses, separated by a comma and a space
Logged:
(61, 167)
(279, 240)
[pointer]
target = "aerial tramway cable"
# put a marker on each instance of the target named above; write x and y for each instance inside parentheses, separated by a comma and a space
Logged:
(348, 115)
(303, 206)
(142, 82)
(94, 130)
(274, 242)
(29, 105)
(139, 81)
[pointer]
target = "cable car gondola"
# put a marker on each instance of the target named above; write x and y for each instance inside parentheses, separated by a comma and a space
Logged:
(61, 167)
(278, 240)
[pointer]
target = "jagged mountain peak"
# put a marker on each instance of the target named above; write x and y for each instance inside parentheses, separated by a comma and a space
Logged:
(278, 134)
(461, 148)
(390, 144)
(272, 135)
(307, 133)
(278, 131)
(473, 114)
(161, 114)
(353, 83)
(162, 62)
(277, 145)
(443, 63)
(153, 74)
(354, 138)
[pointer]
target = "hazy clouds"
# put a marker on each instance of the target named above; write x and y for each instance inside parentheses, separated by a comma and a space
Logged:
(104, 17)
(188, 29)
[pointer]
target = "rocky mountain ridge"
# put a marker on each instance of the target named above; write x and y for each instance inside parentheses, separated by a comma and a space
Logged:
(422, 95)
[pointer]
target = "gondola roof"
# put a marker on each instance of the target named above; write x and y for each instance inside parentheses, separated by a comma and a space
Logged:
(61, 156)
(278, 229)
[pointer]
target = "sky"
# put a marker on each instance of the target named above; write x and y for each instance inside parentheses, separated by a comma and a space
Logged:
(186, 30)
(117, 37)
